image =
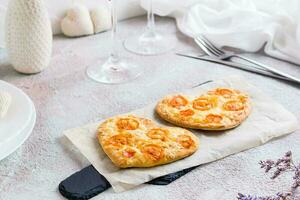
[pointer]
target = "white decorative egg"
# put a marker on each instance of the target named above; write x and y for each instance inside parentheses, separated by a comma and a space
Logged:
(77, 22)
(101, 19)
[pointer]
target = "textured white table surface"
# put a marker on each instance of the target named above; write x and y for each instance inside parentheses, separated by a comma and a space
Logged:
(65, 98)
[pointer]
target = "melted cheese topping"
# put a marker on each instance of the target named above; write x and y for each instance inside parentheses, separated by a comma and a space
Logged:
(135, 142)
(218, 107)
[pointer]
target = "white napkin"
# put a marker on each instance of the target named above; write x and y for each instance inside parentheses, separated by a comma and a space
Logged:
(267, 120)
(243, 24)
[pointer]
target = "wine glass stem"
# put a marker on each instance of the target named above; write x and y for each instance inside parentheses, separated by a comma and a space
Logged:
(114, 56)
(150, 16)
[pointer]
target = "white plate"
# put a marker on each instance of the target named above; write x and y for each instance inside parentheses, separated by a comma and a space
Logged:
(19, 114)
(15, 142)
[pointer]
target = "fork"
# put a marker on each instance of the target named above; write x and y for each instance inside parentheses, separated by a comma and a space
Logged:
(213, 51)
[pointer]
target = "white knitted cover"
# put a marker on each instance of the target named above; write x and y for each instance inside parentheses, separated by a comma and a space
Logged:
(28, 35)
(5, 101)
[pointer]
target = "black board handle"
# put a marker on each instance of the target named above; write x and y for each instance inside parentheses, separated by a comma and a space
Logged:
(88, 183)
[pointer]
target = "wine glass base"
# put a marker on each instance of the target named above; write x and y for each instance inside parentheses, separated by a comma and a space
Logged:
(150, 43)
(113, 72)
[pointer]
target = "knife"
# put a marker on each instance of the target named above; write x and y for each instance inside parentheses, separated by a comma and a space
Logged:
(236, 65)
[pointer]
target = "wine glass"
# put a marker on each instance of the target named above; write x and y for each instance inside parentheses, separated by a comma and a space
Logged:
(151, 42)
(114, 69)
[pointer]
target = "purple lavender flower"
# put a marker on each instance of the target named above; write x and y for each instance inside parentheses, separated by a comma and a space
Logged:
(267, 165)
(281, 165)
(284, 196)
(296, 177)
(279, 196)
(247, 197)
(278, 167)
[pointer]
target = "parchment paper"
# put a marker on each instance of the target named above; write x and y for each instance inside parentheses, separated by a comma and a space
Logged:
(267, 120)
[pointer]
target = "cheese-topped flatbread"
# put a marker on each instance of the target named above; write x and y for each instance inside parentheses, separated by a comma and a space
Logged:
(218, 109)
(130, 141)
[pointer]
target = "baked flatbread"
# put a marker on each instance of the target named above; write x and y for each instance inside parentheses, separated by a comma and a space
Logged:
(218, 109)
(130, 141)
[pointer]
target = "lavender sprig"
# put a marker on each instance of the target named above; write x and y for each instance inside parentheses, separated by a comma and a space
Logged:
(281, 165)
(278, 167)
(296, 178)
(267, 165)
(279, 196)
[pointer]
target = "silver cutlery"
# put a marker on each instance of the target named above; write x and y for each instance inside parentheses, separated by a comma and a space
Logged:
(215, 52)
(203, 83)
(235, 65)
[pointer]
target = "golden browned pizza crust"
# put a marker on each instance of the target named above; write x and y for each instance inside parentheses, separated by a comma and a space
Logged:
(218, 109)
(131, 141)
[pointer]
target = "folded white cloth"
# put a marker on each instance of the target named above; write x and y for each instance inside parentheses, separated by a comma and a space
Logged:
(243, 24)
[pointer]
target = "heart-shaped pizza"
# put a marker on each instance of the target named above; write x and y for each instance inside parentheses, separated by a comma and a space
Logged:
(218, 109)
(130, 141)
